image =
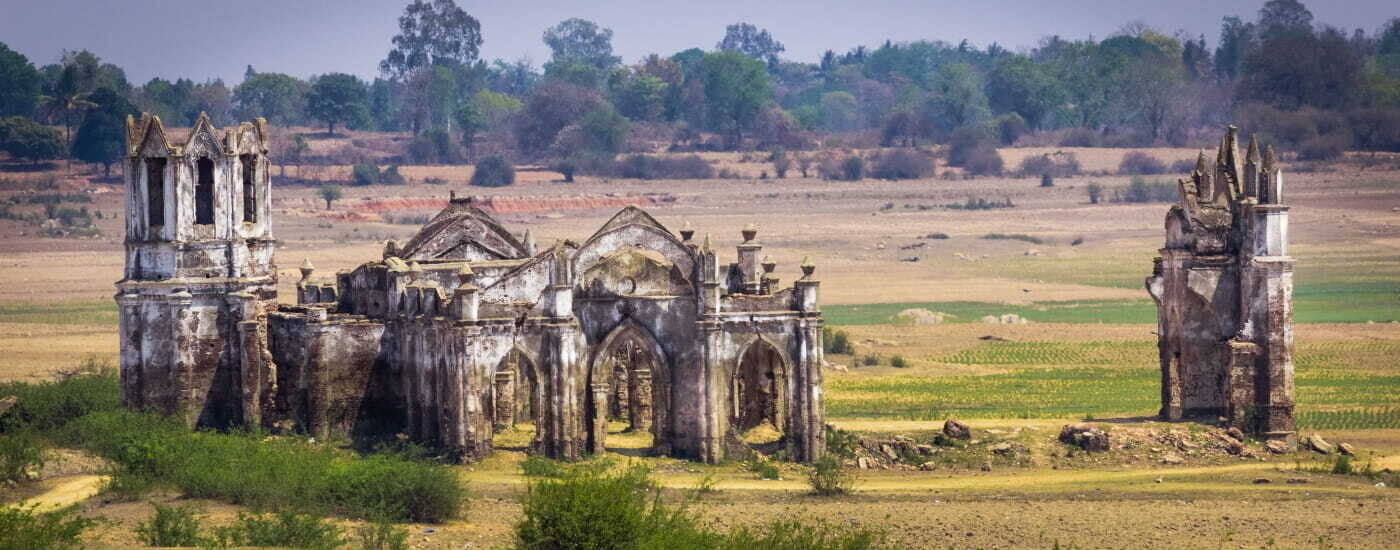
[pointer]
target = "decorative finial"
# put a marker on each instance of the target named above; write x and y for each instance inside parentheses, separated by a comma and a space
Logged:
(307, 269)
(807, 267)
(391, 249)
(415, 271)
(465, 275)
(451, 194)
(749, 232)
(1251, 155)
(687, 231)
(706, 246)
(768, 264)
(1201, 163)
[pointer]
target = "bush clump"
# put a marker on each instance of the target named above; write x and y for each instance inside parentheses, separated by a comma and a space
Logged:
(284, 529)
(1138, 162)
(828, 476)
(651, 167)
(1059, 165)
(26, 529)
(247, 469)
(901, 164)
(364, 173)
(493, 171)
(170, 526)
(836, 342)
(1141, 191)
(975, 151)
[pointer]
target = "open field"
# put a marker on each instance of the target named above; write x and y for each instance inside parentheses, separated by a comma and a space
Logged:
(1088, 352)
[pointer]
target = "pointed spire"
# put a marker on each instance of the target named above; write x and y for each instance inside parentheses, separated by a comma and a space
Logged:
(1201, 163)
(807, 267)
(1252, 154)
(307, 269)
(465, 276)
(706, 247)
(1269, 158)
(528, 239)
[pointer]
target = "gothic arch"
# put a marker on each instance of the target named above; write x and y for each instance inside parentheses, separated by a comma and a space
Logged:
(758, 387)
(660, 421)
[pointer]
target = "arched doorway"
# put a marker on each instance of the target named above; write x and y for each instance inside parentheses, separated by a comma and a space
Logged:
(515, 406)
(758, 392)
(637, 378)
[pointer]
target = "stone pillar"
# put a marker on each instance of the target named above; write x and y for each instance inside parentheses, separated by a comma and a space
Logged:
(640, 409)
(597, 438)
(748, 261)
(505, 400)
(806, 288)
(466, 303)
(807, 419)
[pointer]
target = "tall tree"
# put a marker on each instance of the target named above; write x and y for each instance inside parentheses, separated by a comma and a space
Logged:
(1020, 85)
(1280, 17)
(279, 98)
(20, 83)
(1237, 39)
(752, 41)
(430, 33)
(102, 135)
(25, 139)
(69, 99)
(736, 89)
(338, 97)
(581, 52)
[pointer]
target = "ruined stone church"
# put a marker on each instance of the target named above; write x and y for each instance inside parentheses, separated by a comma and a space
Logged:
(464, 330)
(1224, 291)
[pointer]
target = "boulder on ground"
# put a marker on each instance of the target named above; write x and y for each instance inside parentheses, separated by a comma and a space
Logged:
(1235, 433)
(920, 316)
(1084, 436)
(1346, 449)
(1277, 446)
(956, 430)
(1172, 459)
(1317, 443)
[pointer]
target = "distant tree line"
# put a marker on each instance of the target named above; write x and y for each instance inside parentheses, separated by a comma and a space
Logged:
(1304, 86)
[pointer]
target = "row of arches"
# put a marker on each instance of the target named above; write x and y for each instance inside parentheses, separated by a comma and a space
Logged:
(640, 394)
(205, 196)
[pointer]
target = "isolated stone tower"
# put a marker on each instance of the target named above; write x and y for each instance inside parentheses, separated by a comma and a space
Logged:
(1224, 291)
(199, 272)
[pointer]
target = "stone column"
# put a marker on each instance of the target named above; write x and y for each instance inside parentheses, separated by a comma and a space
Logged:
(505, 400)
(597, 440)
(748, 260)
(640, 409)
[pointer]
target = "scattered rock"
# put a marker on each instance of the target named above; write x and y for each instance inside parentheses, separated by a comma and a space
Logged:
(928, 466)
(926, 450)
(920, 316)
(889, 452)
(1003, 449)
(1380, 485)
(1277, 446)
(1346, 449)
(991, 338)
(863, 463)
(1296, 481)
(1172, 459)
(986, 466)
(1084, 436)
(1234, 447)
(1007, 319)
(1317, 443)
(1262, 480)
(1235, 433)
(956, 429)
(8, 402)
(838, 368)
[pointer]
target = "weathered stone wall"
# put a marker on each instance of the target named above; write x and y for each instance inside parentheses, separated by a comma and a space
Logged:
(1223, 285)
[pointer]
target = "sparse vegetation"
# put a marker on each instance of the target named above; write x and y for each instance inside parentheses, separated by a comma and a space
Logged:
(828, 476)
(171, 526)
(26, 529)
(1142, 191)
(1013, 237)
(493, 171)
(980, 203)
(1140, 163)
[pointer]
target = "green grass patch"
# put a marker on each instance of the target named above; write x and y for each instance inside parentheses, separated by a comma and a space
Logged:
(25, 529)
(1339, 385)
(93, 312)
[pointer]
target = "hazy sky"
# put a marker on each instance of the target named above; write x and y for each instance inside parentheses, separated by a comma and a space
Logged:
(200, 39)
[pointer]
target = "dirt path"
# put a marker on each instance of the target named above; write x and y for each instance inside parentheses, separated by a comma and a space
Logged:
(65, 491)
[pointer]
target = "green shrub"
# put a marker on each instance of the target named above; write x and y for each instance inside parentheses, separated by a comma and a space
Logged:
(979, 203)
(594, 510)
(1138, 162)
(493, 171)
(283, 529)
(1140, 191)
(898, 362)
(25, 529)
(840, 442)
(1095, 191)
(901, 164)
(364, 174)
(538, 466)
(764, 469)
(20, 453)
(852, 169)
(870, 360)
(382, 535)
(836, 341)
(1010, 127)
(975, 151)
(170, 526)
(1342, 465)
(1013, 237)
(46, 406)
(1046, 180)
(248, 469)
(828, 476)
(566, 168)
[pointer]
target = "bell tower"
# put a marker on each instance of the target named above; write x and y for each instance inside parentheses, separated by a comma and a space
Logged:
(199, 271)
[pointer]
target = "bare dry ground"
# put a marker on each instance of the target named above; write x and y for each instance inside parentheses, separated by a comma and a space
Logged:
(869, 241)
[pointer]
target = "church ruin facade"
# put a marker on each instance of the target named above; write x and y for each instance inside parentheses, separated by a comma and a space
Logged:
(1224, 291)
(463, 331)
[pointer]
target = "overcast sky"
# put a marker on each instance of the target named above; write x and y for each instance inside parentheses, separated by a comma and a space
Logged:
(201, 40)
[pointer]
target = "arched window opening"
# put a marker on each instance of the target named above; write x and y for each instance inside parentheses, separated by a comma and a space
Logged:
(250, 188)
(155, 191)
(757, 391)
(204, 193)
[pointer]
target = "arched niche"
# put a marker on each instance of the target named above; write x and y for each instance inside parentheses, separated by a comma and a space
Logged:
(632, 364)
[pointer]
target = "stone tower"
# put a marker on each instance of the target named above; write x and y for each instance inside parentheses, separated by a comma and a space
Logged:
(199, 272)
(1224, 291)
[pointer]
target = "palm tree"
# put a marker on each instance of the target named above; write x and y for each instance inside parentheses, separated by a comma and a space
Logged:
(68, 101)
